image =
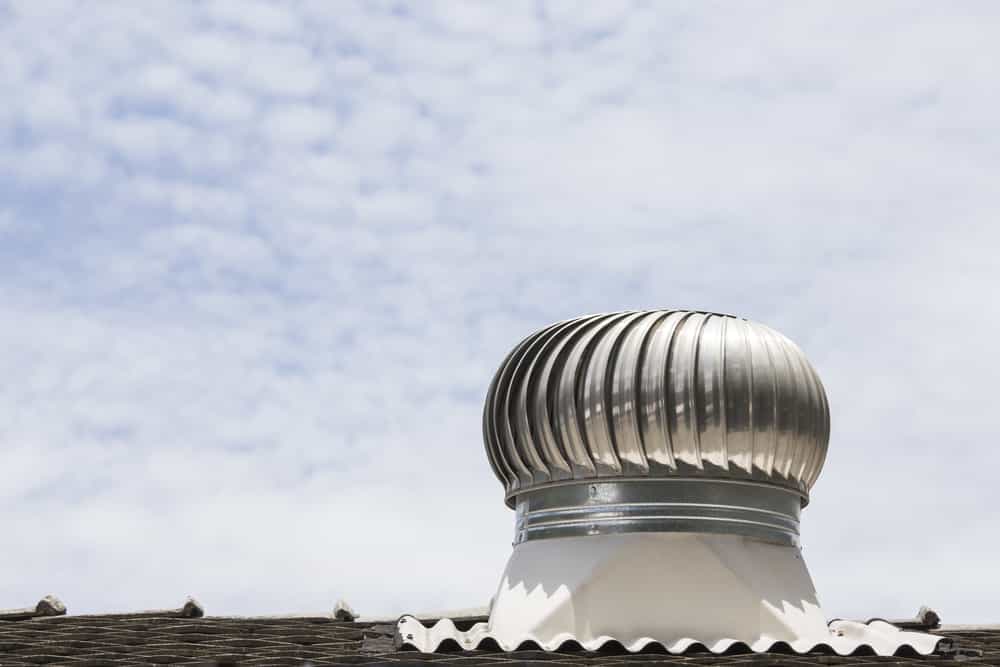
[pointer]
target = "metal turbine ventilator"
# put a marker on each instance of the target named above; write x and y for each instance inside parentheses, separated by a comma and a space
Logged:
(657, 462)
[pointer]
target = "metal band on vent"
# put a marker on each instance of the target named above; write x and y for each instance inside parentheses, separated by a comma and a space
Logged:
(763, 511)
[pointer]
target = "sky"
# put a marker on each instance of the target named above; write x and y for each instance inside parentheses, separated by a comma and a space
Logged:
(259, 262)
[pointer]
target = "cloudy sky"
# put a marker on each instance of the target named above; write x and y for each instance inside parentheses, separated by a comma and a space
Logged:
(258, 263)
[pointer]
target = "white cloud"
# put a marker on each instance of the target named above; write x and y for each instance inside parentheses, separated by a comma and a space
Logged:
(254, 16)
(260, 262)
(301, 124)
(52, 108)
(210, 52)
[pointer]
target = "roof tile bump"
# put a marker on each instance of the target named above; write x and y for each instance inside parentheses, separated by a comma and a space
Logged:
(344, 612)
(49, 605)
(190, 609)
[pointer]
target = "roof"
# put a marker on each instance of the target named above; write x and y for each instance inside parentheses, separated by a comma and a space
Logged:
(184, 637)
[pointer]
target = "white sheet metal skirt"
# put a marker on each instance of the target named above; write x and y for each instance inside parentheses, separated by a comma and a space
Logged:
(673, 589)
(664, 586)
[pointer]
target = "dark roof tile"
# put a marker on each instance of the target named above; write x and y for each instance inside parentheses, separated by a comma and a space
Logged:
(215, 641)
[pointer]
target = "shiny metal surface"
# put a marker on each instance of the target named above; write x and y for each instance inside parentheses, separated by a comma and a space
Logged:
(762, 511)
(656, 394)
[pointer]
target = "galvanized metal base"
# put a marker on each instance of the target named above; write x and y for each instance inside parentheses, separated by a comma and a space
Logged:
(684, 505)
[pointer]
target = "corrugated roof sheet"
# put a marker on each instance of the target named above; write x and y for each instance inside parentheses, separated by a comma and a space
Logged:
(844, 638)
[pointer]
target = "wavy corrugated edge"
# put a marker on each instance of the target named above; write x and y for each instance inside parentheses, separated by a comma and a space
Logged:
(846, 638)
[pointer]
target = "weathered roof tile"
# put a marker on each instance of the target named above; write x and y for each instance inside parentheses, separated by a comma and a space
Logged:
(172, 638)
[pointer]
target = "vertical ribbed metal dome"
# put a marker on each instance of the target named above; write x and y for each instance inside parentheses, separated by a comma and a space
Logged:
(656, 394)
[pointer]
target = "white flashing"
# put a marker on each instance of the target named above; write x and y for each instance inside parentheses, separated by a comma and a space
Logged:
(672, 589)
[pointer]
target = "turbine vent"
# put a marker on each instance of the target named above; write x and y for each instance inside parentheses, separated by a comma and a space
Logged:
(657, 462)
(651, 401)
